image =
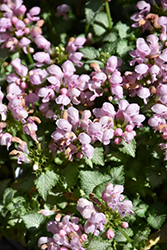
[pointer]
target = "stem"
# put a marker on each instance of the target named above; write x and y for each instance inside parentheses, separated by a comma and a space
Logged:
(108, 14)
(30, 57)
(126, 236)
(39, 146)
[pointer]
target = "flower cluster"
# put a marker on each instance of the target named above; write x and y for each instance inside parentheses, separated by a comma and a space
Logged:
(148, 80)
(75, 134)
(66, 234)
(97, 216)
(17, 31)
(115, 200)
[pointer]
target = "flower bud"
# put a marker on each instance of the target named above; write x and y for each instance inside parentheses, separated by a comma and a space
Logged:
(118, 132)
(83, 237)
(118, 141)
(110, 234)
(35, 167)
(125, 224)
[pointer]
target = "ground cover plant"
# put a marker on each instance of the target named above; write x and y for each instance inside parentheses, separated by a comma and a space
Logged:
(83, 131)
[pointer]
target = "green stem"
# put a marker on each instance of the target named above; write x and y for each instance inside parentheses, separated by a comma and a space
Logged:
(108, 14)
(39, 147)
(30, 57)
(126, 236)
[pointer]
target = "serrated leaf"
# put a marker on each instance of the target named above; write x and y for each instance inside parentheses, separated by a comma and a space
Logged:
(92, 9)
(33, 220)
(128, 148)
(123, 47)
(45, 182)
(98, 244)
(156, 221)
(98, 29)
(90, 179)
(119, 237)
(117, 175)
(13, 222)
(141, 210)
(100, 24)
(110, 37)
(156, 178)
(89, 52)
(122, 29)
(141, 235)
(98, 156)
(88, 162)
(102, 19)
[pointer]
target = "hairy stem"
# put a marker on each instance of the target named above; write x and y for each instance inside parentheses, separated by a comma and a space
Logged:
(108, 14)
(124, 234)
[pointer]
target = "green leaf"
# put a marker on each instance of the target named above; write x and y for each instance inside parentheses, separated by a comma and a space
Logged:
(110, 37)
(45, 182)
(33, 220)
(8, 195)
(98, 156)
(157, 177)
(141, 235)
(15, 55)
(122, 29)
(128, 148)
(141, 210)
(90, 179)
(100, 25)
(88, 162)
(101, 19)
(98, 29)
(70, 174)
(89, 52)
(98, 244)
(117, 175)
(92, 9)
(119, 237)
(123, 47)
(156, 221)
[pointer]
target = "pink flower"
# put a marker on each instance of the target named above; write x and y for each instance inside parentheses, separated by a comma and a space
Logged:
(75, 43)
(68, 69)
(42, 43)
(5, 140)
(24, 42)
(20, 69)
(111, 64)
(41, 57)
(63, 9)
(31, 15)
